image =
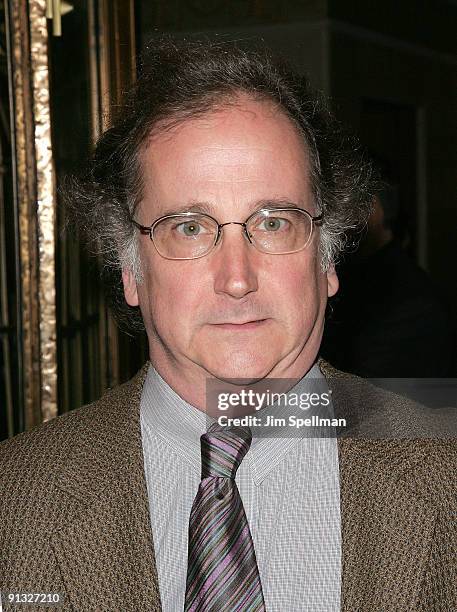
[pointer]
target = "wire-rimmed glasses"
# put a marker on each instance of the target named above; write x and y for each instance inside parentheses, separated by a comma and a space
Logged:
(191, 235)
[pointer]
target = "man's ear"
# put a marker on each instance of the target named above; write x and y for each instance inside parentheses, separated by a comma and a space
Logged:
(130, 288)
(332, 282)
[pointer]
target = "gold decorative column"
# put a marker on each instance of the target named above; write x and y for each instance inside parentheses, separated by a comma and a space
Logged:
(35, 201)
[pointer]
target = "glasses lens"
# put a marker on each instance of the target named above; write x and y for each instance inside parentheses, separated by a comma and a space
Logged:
(280, 231)
(185, 237)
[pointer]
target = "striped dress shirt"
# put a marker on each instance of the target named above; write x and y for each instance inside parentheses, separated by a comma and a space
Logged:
(290, 491)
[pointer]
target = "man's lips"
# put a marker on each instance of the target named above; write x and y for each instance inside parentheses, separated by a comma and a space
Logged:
(242, 326)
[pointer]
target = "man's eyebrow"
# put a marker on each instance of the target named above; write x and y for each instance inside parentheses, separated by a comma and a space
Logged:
(210, 209)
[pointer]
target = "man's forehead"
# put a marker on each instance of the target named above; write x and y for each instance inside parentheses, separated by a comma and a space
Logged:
(204, 163)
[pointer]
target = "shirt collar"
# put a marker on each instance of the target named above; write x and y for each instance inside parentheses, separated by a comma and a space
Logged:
(169, 417)
(268, 452)
(180, 425)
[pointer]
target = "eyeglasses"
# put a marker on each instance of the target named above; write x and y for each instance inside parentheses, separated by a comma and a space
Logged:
(191, 235)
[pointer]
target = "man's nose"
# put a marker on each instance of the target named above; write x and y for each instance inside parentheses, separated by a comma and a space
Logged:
(234, 263)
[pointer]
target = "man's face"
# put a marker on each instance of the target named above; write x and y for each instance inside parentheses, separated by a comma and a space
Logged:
(234, 160)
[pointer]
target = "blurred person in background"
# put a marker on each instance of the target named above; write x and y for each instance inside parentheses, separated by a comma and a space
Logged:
(387, 320)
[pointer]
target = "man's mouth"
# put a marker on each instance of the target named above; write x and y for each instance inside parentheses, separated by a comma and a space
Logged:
(242, 326)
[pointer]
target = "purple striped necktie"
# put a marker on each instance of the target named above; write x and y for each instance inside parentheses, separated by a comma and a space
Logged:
(222, 572)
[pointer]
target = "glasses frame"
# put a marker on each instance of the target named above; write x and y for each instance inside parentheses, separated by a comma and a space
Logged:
(149, 229)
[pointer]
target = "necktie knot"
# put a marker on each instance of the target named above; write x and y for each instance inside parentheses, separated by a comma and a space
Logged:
(223, 450)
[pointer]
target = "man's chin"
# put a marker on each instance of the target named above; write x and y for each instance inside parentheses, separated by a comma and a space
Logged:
(247, 371)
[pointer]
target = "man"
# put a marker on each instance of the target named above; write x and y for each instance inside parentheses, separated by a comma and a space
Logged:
(222, 194)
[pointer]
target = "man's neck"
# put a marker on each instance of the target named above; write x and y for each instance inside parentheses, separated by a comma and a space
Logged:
(191, 383)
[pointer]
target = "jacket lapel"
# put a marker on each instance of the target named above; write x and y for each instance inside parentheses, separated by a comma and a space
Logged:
(387, 528)
(387, 520)
(103, 543)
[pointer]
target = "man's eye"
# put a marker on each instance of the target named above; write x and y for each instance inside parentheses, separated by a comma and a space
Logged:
(273, 224)
(190, 228)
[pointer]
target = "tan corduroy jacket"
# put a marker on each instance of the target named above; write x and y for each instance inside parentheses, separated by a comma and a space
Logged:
(74, 513)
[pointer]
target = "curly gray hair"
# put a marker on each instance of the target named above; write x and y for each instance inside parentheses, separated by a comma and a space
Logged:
(182, 80)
